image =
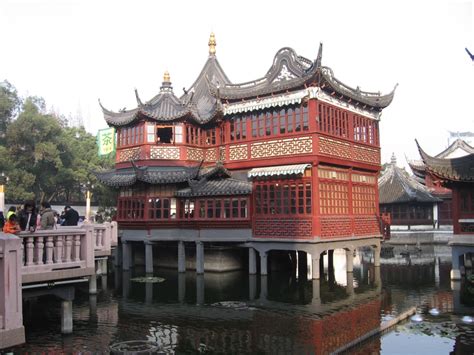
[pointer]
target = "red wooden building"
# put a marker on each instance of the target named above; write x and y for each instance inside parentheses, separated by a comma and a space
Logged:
(289, 161)
(456, 149)
(458, 175)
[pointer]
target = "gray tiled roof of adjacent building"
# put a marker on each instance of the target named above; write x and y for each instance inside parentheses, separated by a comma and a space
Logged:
(455, 169)
(396, 186)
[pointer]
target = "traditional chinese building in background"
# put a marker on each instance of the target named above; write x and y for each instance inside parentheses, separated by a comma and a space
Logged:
(457, 148)
(289, 161)
(408, 202)
(458, 175)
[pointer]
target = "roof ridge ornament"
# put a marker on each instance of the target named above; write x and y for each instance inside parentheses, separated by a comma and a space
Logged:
(212, 44)
(393, 159)
(166, 84)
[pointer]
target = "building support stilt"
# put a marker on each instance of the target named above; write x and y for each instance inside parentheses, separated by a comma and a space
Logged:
(199, 257)
(93, 284)
(148, 257)
(66, 317)
(316, 261)
(252, 261)
(349, 260)
(126, 255)
(181, 257)
(263, 263)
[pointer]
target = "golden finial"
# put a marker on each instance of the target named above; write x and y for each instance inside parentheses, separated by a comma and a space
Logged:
(166, 77)
(212, 44)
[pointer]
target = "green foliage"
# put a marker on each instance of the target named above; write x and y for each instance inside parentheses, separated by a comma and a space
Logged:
(9, 106)
(46, 160)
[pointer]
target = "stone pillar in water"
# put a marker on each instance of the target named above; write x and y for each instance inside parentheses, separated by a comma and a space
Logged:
(199, 257)
(66, 317)
(316, 264)
(148, 258)
(181, 257)
(263, 263)
(252, 261)
(126, 255)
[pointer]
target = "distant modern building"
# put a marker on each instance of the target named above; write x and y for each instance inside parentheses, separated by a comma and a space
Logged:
(458, 175)
(408, 202)
(289, 161)
(458, 148)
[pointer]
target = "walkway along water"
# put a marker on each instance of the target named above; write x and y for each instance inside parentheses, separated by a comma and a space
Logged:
(48, 259)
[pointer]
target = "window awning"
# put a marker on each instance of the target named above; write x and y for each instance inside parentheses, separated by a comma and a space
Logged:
(281, 170)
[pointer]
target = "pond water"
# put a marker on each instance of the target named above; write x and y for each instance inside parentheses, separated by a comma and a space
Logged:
(234, 313)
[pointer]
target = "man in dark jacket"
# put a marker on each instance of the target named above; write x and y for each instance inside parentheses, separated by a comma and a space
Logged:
(71, 217)
(27, 216)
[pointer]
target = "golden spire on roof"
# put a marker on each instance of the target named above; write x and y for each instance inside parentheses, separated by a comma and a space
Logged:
(166, 77)
(212, 44)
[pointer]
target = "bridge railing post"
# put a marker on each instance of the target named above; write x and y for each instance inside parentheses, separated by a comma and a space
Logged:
(114, 233)
(108, 236)
(87, 247)
(12, 331)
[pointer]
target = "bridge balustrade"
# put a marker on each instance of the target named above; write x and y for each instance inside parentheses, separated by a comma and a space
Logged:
(57, 254)
(11, 315)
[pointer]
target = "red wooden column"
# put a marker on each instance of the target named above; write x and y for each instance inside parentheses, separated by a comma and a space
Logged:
(316, 220)
(456, 210)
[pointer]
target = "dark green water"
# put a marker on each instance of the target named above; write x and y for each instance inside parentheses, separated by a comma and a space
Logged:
(234, 313)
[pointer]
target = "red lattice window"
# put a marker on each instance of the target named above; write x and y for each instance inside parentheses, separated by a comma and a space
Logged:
(334, 197)
(219, 208)
(130, 136)
(130, 208)
(364, 199)
(283, 197)
(193, 135)
(365, 130)
(161, 208)
(333, 121)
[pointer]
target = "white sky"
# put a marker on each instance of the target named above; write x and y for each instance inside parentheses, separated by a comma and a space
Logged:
(74, 52)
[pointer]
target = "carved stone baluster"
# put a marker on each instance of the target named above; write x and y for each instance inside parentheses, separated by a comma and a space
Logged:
(23, 241)
(77, 248)
(101, 238)
(49, 250)
(96, 239)
(59, 249)
(67, 256)
(29, 251)
(39, 250)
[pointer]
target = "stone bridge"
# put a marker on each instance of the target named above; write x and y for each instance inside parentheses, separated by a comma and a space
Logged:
(48, 258)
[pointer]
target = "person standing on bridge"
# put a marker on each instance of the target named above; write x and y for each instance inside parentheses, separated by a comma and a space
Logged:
(71, 216)
(47, 216)
(27, 216)
(11, 226)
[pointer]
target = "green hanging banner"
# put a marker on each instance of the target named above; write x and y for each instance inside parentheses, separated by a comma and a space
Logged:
(106, 141)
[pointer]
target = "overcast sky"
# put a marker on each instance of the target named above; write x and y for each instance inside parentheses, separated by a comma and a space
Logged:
(74, 52)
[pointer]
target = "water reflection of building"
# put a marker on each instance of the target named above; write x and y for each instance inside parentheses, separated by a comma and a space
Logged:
(257, 323)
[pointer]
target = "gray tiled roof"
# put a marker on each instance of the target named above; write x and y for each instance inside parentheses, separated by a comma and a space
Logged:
(288, 71)
(151, 175)
(456, 169)
(395, 186)
(373, 99)
(221, 187)
(203, 101)
(418, 166)
(198, 104)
